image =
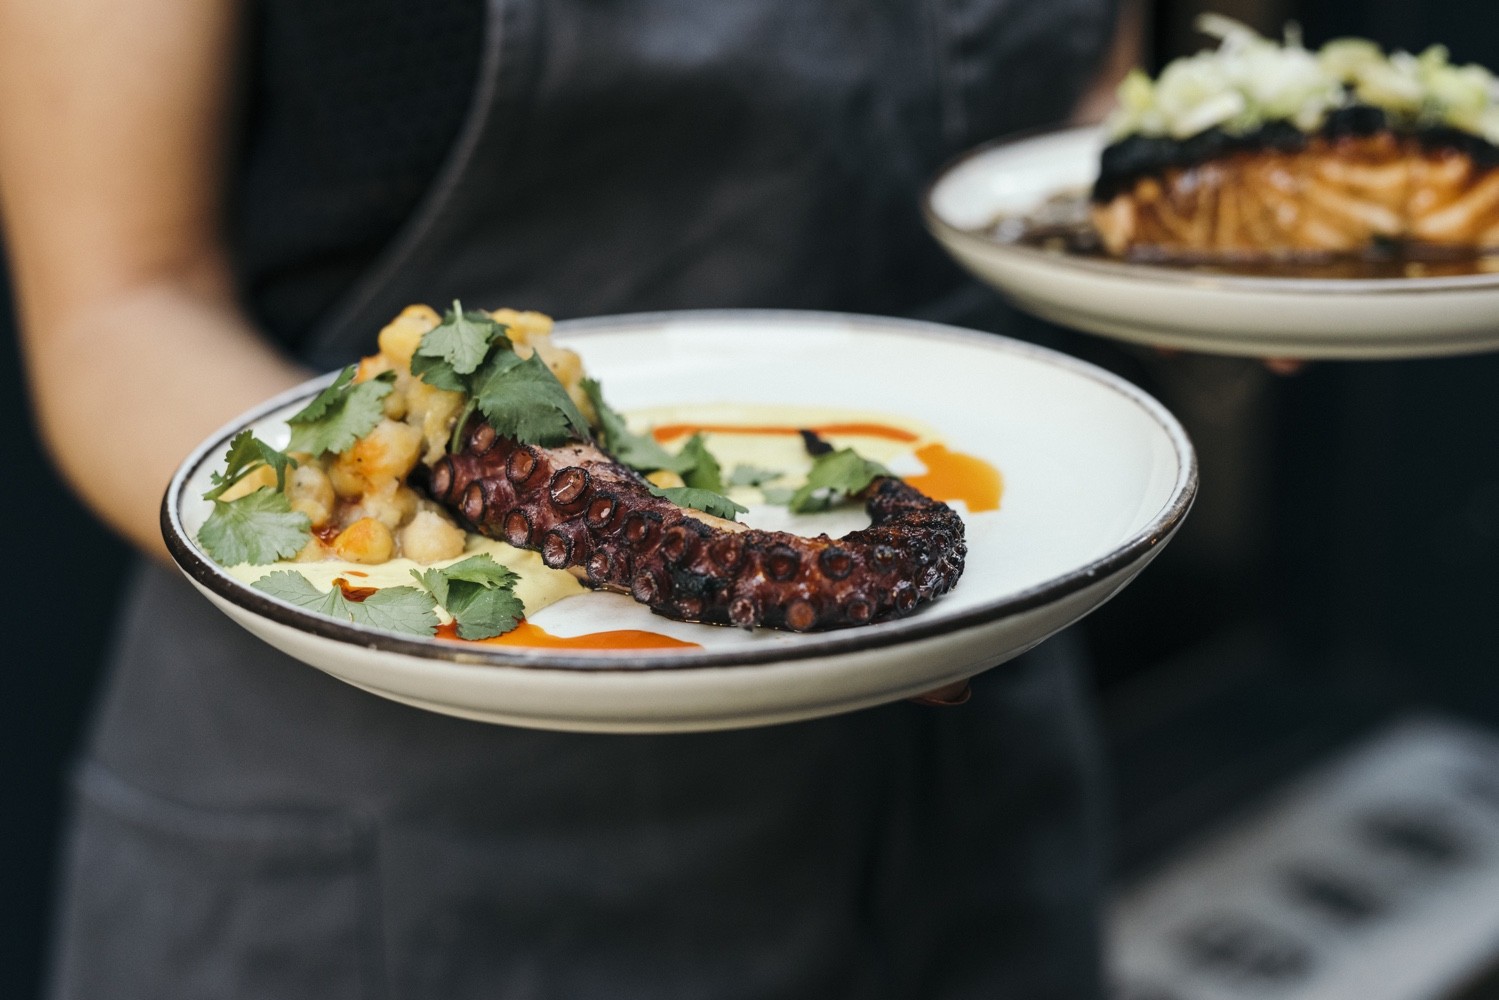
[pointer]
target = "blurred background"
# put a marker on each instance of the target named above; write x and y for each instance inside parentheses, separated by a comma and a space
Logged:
(1338, 577)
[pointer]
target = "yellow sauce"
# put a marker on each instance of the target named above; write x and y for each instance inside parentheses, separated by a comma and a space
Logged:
(538, 586)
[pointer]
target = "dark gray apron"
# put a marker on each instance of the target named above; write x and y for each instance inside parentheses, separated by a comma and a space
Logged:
(246, 826)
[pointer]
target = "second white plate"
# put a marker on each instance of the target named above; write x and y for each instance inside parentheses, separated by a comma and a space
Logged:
(1180, 307)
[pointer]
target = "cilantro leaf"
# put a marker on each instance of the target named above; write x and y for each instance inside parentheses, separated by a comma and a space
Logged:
(750, 475)
(834, 477)
(320, 403)
(395, 609)
(437, 373)
(778, 495)
(462, 340)
(523, 400)
(704, 500)
(701, 470)
(341, 414)
(257, 528)
(479, 593)
(247, 453)
(638, 451)
(482, 612)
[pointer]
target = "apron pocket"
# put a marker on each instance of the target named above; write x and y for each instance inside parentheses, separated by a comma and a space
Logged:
(164, 900)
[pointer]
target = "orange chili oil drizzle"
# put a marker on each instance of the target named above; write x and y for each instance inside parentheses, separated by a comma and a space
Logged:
(353, 593)
(528, 635)
(950, 475)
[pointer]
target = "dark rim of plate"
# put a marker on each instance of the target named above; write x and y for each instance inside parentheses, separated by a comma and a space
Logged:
(1165, 273)
(920, 626)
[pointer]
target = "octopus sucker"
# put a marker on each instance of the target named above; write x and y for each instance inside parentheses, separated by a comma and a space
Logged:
(586, 513)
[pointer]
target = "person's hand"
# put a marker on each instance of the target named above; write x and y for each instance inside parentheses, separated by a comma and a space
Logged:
(955, 693)
(1278, 366)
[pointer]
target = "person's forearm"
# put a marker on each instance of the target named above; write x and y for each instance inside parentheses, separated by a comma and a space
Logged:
(1125, 53)
(181, 362)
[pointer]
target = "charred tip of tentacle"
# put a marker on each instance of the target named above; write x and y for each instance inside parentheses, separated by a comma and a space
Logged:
(517, 528)
(782, 563)
(813, 442)
(569, 487)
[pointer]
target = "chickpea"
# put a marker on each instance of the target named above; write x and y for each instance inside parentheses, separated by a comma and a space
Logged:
(313, 551)
(525, 327)
(257, 478)
(665, 479)
(386, 453)
(364, 541)
(430, 537)
(369, 367)
(402, 335)
(393, 504)
(311, 492)
(433, 411)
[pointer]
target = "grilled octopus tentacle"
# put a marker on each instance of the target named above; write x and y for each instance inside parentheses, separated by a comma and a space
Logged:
(583, 511)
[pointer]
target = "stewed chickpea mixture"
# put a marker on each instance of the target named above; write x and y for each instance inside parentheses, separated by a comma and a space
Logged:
(358, 501)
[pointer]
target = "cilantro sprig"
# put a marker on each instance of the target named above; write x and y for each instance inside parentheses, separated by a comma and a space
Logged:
(834, 477)
(637, 451)
(259, 527)
(706, 501)
(701, 470)
(394, 609)
(478, 593)
(246, 454)
(341, 414)
(753, 475)
(468, 352)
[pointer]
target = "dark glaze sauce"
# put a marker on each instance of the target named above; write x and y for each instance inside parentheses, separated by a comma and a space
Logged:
(1061, 225)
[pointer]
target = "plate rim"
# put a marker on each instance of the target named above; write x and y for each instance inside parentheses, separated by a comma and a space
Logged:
(198, 567)
(1138, 271)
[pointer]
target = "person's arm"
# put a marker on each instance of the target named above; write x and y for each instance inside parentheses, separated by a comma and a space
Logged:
(111, 169)
(1124, 54)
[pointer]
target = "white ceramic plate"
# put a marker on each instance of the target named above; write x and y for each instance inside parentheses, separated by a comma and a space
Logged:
(1178, 307)
(1098, 476)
